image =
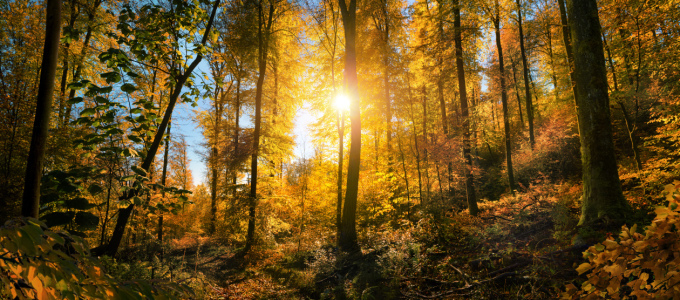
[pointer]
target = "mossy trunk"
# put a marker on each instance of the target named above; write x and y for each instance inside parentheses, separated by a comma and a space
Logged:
(602, 195)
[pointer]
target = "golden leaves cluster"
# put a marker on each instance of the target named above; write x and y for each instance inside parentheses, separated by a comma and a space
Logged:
(643, 266)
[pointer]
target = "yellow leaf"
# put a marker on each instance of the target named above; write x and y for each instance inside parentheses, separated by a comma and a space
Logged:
(584, 267)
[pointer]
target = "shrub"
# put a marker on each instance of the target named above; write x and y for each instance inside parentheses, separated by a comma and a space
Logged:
(37, 263)
(643, 266)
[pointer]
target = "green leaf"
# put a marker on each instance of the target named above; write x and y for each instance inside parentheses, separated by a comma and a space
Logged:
(78, 203)
(75, 100)
(86, 220)
(88, 112)
(128, 88)
(139, 170)
(57, 218)
(135, 138)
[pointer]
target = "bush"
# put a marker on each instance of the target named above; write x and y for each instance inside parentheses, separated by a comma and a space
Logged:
(37, 263)
(643, 266)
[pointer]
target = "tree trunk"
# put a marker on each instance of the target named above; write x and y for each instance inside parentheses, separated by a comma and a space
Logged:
(64, 72)
(43, 110)
(123, 214)
(504, 99)
(163, 176)
(460, 67)
(519, 99)
(602, 195)
(214, 159)
(263, 33)
(566, 37)
(348, 236)
(525, 68)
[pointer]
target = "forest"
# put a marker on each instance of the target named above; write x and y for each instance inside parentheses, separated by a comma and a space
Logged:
(340, 149)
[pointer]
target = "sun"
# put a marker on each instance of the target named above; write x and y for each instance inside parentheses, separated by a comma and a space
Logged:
(342, 102)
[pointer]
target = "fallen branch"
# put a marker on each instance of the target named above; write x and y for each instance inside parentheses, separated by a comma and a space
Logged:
(510, 267)
(465, 288)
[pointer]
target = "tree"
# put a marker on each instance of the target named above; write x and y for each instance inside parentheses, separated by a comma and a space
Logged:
(180, 79)
(496, 19)
(460, 67)
(602, 194)
(348, 233)
(525, 70)
(265, 20)
(43, 110)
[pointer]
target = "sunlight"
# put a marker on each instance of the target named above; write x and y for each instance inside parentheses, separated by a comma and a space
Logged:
(342, 102)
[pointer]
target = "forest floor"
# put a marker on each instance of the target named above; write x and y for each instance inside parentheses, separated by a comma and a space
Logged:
(519, 247)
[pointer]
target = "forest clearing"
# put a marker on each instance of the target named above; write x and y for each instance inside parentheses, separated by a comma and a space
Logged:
(339, 149)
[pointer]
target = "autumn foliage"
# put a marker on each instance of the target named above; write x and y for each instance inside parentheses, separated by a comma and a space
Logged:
(643, 265)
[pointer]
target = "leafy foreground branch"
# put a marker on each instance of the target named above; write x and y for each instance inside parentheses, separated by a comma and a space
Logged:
(39, 263)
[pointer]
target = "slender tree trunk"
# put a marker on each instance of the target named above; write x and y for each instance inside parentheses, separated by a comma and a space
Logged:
(460, 67)
(504, 99)
(415, 142)
(525, 68)
(124, 213)
(43, 110)
(237, 129)
(163, 176)
(519, 99)
(79, 66)
(602, 195)
(64, 72)
(552, 63)
(348, 236)
(214, 159)
(426, 159)
(403, 166)
(263, 35)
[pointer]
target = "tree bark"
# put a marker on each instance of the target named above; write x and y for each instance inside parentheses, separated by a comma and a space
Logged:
(48, 69)
(566, 37)
(525, 68)
(504, 99)
(460, 67)
(163, 176)
(348, 236)
(602, 195)
(263, 34)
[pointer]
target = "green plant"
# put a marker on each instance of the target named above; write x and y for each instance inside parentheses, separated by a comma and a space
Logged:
(37, 263)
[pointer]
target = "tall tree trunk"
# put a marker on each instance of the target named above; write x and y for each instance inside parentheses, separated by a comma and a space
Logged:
(214, 159)
(237, 129)
(348, 236)
(440, 87)
(504, 99)
(386, 82)
(602, 195)
(525, 68)
(460, 67)
(553, 76)
(163, 176)
(415, 141)
(263, 34)
(43, 110)
(566, 37)
(426, 154)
